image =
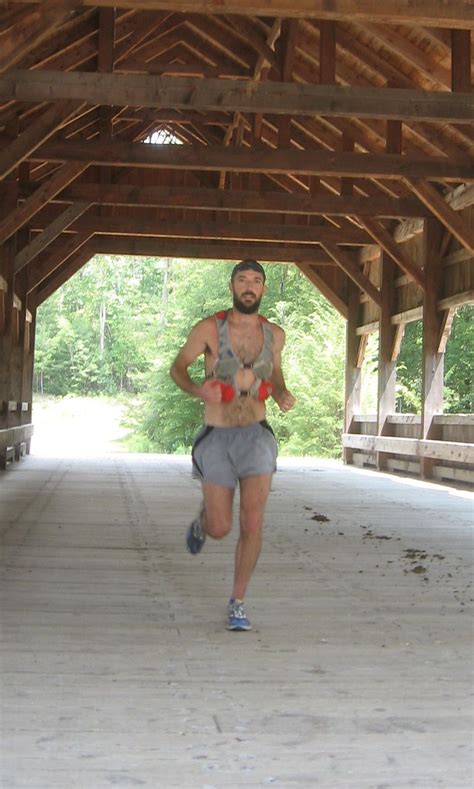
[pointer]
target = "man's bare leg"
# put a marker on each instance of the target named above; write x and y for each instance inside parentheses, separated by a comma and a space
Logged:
(253, 498)
(218, 500)
(214, 518)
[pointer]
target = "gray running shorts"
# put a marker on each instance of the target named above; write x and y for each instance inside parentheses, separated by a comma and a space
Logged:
(223, 455)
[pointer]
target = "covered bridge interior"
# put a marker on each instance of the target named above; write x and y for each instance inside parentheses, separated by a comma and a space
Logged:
(337, 137)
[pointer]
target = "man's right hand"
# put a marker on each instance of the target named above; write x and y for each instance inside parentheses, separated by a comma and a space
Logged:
(211, 392)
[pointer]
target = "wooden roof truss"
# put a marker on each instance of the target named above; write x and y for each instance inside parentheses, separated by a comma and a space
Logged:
(296, 133)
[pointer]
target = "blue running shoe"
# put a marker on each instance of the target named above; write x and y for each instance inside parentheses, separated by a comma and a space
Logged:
(237, 619)
(196, 536)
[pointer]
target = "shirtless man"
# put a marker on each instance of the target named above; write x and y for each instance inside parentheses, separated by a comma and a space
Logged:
(242, 354)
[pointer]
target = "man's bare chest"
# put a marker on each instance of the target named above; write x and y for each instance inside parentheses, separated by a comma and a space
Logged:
(245, 345)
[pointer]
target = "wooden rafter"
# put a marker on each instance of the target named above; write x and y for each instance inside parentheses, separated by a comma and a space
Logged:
(262, 160)
(49, 234)
(208, 250)
(445, 328)
(70, 266)
(37, 25)
(25, 212)
(451, 14)
(351, 268)
(316, 278)
(50, 262)
(383, 237)
(461, 60)
(35, 135)
(250, 231)
(246, 200)
(238, 96)
(457, 200)
(440, 208)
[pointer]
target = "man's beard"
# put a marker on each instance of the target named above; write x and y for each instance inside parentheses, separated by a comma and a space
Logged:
(246, 309)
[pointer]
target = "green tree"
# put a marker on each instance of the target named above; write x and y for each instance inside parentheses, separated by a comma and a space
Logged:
(313, 361)
(458, 366)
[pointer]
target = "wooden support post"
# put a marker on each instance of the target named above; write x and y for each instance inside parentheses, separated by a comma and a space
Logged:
(105, 64)
(28, 368)
(256, 141)
(461, 61)
(386, 365)
(432, 359)
(19, 351)
(353, 373)
(327, 52)
(347, 184)
(7, 343)
(286, 47)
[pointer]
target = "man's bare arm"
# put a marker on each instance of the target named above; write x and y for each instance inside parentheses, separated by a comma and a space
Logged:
(196, 344)
(280, 393)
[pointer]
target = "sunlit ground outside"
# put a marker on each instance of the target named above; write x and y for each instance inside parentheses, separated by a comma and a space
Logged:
(72, 426)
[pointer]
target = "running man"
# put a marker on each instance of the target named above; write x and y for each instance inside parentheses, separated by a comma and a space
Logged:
(236, 445)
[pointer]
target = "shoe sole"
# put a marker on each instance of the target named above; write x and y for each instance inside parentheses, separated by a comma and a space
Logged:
(239, 628)
(193, 545)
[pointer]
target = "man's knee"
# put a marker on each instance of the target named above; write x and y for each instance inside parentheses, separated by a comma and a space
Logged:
(250, 523)
(217, 526)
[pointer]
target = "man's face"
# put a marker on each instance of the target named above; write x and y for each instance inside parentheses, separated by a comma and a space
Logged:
(247, 289)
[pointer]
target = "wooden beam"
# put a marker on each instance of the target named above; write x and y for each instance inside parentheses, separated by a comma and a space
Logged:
(277, 98)
(460, 198)
(245, 231)
(456, 225)
(362, 343)
(250, 36)
(397, 340)
(459, 451)
(461, 61)
(258, 160)
(261, 69)
(246, 200)
(446, 324)
(383, 237)
(386, 368)
(33, 29)
(327, 52)
(286, 46)
(49, 234)
(25, 212)
(352, 270)
(105, 64)
(320, 283)
(430, 13)
(432, 379)
(190, 69)
(212, 250)
(52, 260)
(35, 135)
(457, 300)
(70, 267)
(355, 349)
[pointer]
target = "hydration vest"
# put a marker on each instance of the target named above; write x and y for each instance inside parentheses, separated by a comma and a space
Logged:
(228, 364)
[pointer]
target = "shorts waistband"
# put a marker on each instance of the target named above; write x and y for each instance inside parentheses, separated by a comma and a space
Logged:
(262, 422)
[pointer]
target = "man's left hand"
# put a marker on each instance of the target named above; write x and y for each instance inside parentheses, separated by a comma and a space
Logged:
(284, 399)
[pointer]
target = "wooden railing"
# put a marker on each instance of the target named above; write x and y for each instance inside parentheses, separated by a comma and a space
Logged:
(15, 439)
(450, 445)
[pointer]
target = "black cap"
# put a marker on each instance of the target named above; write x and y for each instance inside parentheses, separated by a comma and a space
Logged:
(246, 265)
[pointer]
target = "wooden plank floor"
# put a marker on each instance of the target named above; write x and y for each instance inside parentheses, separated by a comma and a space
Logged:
(118, 671)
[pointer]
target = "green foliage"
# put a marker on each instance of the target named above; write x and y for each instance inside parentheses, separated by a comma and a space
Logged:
(117, 325)
(94, 335)
(458, 366)
(409, 369)
(313, 361)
